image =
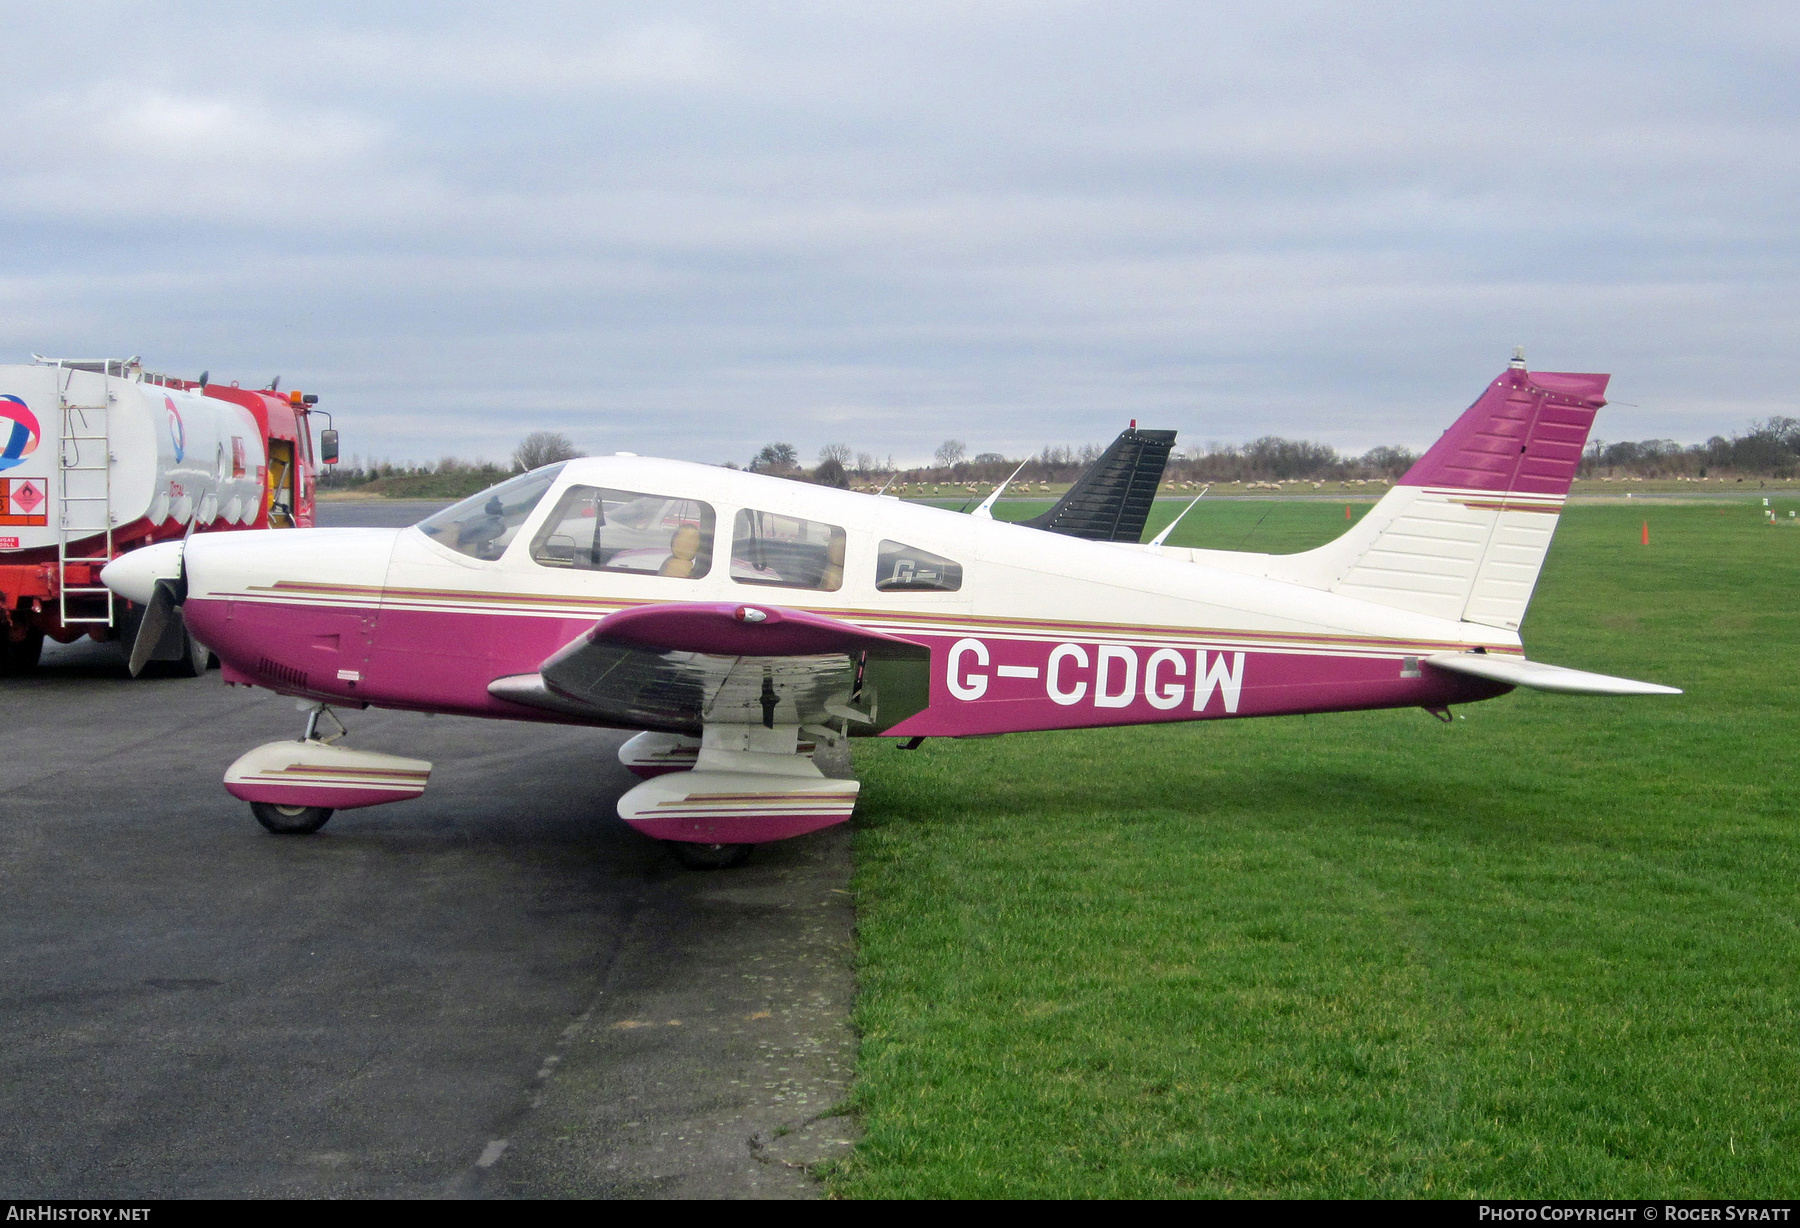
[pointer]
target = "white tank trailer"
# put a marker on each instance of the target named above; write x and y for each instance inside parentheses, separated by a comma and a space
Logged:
(130, 451)
(101, 457)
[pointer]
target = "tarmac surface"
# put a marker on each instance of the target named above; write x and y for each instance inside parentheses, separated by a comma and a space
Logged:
(496, 990)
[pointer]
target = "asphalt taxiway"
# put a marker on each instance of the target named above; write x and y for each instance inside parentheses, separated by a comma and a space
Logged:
(498, 989)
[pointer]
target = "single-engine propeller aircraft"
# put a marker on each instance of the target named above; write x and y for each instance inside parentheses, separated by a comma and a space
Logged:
(739, 620)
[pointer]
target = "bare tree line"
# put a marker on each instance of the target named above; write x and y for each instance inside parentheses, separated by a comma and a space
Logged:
(1769, 448)
(1267, 459)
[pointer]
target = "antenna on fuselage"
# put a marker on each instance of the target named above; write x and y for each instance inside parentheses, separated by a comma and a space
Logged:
(986, 510)
(1157, 541)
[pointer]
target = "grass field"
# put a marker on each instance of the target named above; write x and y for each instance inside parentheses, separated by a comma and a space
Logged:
(1552, 949)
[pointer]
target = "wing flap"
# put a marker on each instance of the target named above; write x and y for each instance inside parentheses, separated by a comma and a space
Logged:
(1515, 671)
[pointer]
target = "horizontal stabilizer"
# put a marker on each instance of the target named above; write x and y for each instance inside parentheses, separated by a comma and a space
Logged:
(1515, 671)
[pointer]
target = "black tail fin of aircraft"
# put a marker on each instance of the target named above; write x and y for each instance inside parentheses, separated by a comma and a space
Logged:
(1111, 500)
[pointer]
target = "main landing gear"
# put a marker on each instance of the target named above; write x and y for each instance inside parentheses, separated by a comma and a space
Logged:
(750, 784)
(294, 787)
(290, 820)
(709, 856)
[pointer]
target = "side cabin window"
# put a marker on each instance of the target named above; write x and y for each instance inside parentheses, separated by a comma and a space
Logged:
(900, 568)
(595, 528)
(786, 552)
(484, 525)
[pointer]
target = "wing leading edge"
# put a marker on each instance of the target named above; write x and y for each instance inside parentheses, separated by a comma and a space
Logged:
(681, 666)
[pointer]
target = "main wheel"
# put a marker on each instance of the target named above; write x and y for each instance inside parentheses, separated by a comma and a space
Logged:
(709, 856)
(290, 820)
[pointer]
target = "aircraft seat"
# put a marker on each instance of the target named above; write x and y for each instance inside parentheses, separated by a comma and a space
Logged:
(684, 544)
(833, 577)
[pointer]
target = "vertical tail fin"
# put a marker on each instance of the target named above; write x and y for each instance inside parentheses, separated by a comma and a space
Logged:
(1111, 501)
(1463, 535)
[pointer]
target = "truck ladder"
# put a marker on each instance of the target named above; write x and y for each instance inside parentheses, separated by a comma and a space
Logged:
(87, 513)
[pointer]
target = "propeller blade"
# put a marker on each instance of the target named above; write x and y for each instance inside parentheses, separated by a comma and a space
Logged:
(180, 581)
(157, 616)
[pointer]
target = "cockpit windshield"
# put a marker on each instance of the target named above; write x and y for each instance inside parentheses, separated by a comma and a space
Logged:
(483, 526)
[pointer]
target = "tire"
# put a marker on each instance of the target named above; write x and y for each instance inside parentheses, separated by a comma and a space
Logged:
(290, 820)
(709, 856)
(20, 656)
(195, 657)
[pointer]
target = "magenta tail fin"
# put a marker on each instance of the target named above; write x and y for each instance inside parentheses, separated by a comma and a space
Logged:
(1524, 434)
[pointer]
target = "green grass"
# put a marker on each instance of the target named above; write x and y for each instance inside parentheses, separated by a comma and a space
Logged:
(1272, 526)
(1548, 950)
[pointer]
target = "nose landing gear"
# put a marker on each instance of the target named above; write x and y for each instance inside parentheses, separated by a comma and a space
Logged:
(293, 787)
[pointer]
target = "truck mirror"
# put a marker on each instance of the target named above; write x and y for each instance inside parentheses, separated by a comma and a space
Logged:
(328, 450)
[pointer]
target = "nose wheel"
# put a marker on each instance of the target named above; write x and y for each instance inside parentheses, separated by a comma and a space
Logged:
(290, 820)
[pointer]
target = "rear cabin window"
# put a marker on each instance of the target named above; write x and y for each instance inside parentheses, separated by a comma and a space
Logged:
(484, 525)
(787, 552)
(595, 528)
(900, 568)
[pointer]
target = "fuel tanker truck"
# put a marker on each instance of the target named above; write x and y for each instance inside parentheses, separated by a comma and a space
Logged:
(101, 457)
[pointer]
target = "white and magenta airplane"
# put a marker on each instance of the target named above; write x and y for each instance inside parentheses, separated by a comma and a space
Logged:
(739, 620)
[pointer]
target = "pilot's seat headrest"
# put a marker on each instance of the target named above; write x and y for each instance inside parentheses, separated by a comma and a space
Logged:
(684, 544)
(833, 577)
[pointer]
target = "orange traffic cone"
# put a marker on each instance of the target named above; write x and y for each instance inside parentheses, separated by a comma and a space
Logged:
(1646, 532)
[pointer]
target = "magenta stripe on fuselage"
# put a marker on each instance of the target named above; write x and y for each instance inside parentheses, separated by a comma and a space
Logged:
(983, 683)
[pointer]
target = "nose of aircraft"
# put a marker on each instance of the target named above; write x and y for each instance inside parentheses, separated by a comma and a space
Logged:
(133, 575)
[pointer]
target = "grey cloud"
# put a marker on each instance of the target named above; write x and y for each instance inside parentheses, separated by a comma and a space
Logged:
(688, 228)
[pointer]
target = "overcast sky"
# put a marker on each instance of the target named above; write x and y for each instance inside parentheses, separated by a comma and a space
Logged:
(688, 229)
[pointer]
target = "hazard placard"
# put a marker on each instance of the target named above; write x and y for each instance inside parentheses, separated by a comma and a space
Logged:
(23, 501)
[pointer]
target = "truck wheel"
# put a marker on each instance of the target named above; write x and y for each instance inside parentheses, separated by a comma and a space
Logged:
(709, 856)
(195, 657)
(20, 656)
(290, 820)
